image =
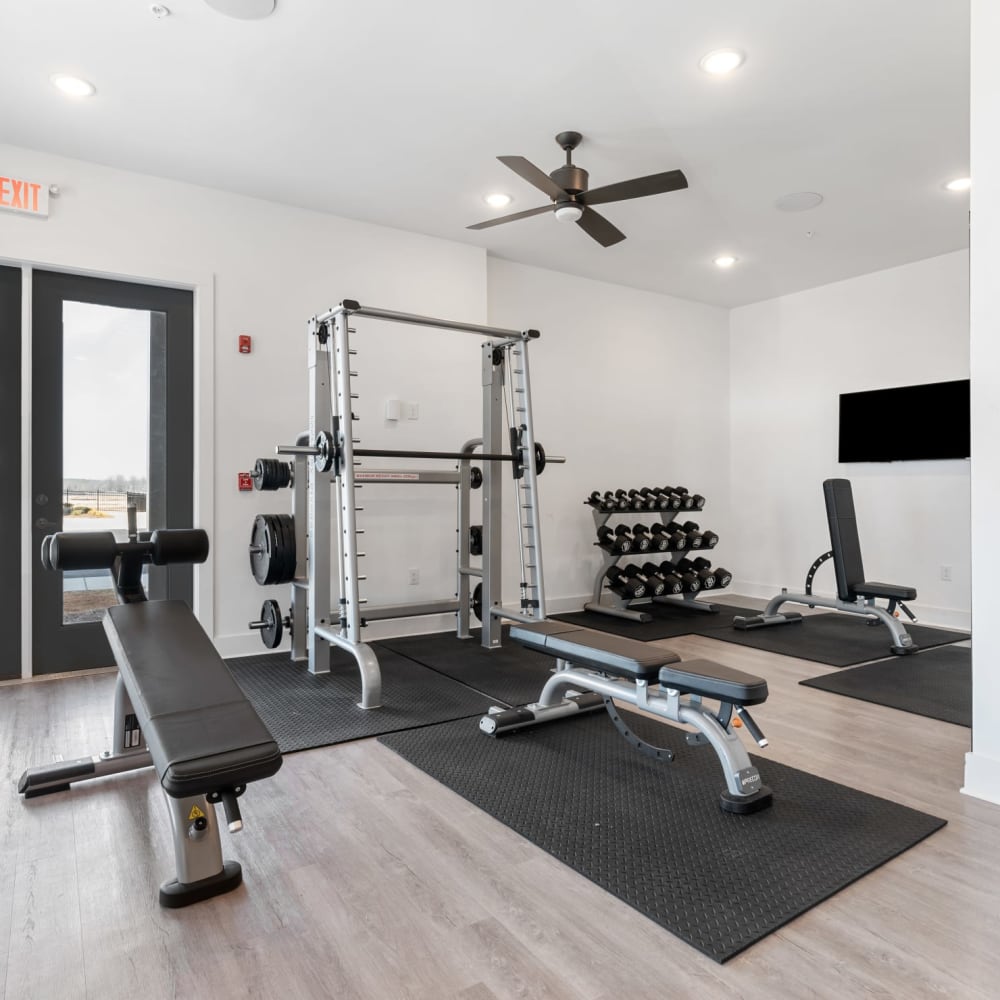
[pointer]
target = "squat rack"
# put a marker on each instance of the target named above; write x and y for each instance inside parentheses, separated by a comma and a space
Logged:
(328, 455)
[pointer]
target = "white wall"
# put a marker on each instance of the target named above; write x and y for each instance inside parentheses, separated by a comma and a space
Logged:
(791, 357)
(632, 387)
(263, 269)
(982, 766)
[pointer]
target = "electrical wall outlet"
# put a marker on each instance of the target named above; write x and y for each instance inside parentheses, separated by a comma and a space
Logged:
(946, 574)
(414, 576)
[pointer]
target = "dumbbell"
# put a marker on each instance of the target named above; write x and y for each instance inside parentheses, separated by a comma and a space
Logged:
(655, 585)
(641, 539)
(668, 536)
(619, 502)
(691, 582)
(600, 502)
(702, 571)
(625, 586)
(709, 540)
(660, 538)
(695, 537)
(642, 501)
(686, 500)
(617, 541)
(654, 499)
(625, 501)
(668, 500)
(723, 578)
(673, 584)
(680, 538)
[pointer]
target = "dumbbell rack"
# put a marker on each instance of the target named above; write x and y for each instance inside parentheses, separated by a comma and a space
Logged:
(620, 607)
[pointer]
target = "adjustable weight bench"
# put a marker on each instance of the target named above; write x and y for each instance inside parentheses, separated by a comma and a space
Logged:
(594, 667)
(176, 708)
(855, 595)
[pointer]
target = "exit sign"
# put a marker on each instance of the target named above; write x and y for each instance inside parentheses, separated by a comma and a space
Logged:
(17, 194)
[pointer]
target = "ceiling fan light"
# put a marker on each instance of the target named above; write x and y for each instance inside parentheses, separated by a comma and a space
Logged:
(569, 213)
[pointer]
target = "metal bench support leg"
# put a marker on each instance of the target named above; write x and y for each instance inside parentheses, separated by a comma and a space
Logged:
(201, 872)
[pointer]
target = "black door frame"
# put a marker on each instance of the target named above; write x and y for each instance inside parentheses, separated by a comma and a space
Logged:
(57, 647)
(10, 463)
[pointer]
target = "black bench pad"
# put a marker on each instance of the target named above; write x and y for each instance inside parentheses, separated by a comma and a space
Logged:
(889, 591)
(713, 680)
(602, 651)
(201, 731)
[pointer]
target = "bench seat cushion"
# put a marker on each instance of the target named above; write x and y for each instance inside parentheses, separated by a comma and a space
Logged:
(713, 680)
(888, 591)
(602, 651)
(201, 731)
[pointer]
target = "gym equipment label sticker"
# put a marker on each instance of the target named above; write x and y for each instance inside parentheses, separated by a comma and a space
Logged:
(27, 197)
(195, 813)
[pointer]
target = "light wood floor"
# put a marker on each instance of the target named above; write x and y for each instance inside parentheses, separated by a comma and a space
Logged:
(366, 879)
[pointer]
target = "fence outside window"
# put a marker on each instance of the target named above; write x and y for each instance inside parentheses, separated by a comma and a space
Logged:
(106, 501)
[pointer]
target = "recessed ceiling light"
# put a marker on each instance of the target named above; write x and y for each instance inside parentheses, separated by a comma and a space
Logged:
(801, 201)
(498, 200)
(959, 184)
(726, 260)
(245, 10)
(722, 61)
(73, 86)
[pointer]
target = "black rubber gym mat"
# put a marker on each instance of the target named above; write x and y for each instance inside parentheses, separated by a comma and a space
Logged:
(836, 639)
(512, 674)
(936, 683)
(304, 710)
(653, 834)
(669, 620)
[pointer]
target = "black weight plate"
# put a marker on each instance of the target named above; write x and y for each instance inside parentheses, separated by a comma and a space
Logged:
(477, 601)
(286, 532)
(260, 538)
(270, 614)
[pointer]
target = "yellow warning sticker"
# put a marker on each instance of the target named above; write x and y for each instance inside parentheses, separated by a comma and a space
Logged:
(195, 813)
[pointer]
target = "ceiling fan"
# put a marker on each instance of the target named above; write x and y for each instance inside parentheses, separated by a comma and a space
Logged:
(572, 202)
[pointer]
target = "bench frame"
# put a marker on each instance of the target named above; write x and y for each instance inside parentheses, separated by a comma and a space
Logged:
(561, 696)
(851, 596)
(201, 871)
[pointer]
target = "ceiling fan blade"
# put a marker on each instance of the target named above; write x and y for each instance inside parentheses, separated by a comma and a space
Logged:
(638, 187)
(511, 218)
(597, 227)
(533, 175)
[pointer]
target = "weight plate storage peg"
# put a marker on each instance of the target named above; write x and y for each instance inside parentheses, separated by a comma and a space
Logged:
(272, 549)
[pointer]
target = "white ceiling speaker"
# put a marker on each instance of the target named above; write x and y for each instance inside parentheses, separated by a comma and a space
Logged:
(245, 10)
(801, 201)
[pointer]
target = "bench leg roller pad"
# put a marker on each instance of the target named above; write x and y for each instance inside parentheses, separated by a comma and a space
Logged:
(743, 804)
(174, 894)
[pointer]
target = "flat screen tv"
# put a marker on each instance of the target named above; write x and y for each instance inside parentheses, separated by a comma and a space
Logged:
(906, 424)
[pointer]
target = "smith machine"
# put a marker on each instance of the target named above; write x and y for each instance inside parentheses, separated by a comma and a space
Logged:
(323, 474)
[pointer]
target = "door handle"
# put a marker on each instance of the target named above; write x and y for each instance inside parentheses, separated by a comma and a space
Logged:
(45, 525)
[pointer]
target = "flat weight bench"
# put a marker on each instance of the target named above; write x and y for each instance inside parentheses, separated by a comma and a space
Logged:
(855, 595)
(610, 667)
(177, 707)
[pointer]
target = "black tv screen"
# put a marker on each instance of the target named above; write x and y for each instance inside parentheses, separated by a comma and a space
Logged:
(906, 424)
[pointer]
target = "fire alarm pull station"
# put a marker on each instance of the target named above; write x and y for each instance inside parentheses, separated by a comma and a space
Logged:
(244, 343)
(246, 481)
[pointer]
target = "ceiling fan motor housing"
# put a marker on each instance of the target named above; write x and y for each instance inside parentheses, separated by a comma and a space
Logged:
(571, 178)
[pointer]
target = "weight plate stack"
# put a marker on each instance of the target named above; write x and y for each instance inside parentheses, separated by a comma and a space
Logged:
(271, 474)
(272, 549)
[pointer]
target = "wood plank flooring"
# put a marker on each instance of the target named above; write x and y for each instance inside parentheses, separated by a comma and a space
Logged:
(366, 879)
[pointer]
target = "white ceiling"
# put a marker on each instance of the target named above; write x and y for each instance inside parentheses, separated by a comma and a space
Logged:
(394, 112)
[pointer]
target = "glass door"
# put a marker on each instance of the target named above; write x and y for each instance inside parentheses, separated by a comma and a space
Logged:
(111, 428)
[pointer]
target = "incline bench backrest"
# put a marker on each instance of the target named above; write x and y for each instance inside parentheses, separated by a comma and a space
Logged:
(844, 539)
